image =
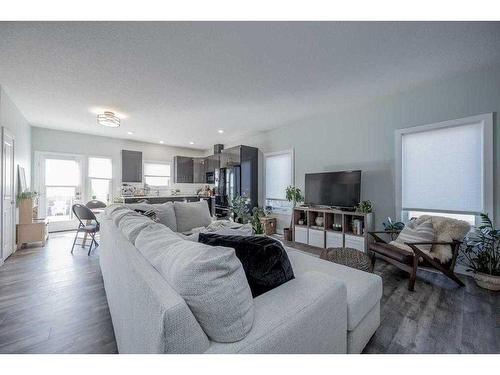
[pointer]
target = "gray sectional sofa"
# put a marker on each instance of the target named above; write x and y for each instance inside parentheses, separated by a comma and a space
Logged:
(163, 297)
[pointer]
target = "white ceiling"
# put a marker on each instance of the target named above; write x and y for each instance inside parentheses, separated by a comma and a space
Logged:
(181, 82)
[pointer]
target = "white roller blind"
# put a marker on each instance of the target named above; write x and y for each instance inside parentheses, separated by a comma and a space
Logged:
(156, 169)
(442, 169)
(278, 174)
(100, 168)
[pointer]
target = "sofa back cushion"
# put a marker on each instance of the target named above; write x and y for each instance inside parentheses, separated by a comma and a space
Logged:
(191, 215)
(264, 259)
(210, 279)
(131, 225)
(165, 214)
(118, 215)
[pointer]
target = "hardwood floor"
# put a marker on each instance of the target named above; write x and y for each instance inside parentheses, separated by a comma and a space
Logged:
(53, 302)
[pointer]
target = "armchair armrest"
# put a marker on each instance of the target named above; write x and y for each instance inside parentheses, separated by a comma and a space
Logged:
(453, 243)
(377, 238)
(305, 315)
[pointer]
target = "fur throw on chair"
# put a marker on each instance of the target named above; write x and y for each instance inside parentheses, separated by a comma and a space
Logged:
(445, 230)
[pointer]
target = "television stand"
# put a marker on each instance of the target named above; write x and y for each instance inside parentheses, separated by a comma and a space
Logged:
(335, 228)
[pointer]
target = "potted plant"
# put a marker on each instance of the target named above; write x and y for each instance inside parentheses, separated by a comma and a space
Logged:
(257, 214)
(481, 251)
(364, 207)
(294, 195)
(239, 208)
(24, 201)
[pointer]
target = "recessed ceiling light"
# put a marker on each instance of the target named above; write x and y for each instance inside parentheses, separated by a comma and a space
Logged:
(191, 143)
(130, 133)
(108, 119)
(162, 142)
(220, 131)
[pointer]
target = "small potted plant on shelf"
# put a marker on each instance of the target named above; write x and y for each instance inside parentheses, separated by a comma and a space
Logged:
(365, 207)
(481, 251)
(294, 195)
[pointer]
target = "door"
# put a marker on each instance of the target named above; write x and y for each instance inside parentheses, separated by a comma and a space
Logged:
(8, 208)
(61, 186)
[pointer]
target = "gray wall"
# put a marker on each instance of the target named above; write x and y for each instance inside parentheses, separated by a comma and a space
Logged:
(362, 137)
(12, 119)
(92, 145)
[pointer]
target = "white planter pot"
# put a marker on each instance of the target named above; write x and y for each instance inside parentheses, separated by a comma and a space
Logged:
(486, 281)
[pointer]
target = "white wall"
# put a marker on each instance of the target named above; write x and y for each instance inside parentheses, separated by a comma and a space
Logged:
(86, 144)
(363, 137)
(12, 119)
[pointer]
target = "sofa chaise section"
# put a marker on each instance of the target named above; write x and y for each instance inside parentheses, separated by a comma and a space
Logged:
(305, 315)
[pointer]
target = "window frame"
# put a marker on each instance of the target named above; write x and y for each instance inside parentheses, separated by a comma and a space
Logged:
(291, 152)
(89, 179)
(144, 175)
(486, 120)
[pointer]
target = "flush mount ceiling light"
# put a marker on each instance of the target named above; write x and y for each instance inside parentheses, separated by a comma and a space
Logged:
(161, 142)
(191, 143)
(220, 131)
(130, 133)
(108, 119)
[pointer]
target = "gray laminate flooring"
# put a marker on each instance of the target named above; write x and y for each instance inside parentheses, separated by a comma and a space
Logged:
(54, 302)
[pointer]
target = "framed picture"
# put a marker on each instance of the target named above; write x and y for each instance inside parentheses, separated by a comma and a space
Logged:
(22, 179)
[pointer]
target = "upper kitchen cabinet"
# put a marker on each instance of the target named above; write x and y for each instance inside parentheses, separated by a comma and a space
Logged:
(199, 170)
(230, 157)
(212, 163)
(183, 169)
(131, 166)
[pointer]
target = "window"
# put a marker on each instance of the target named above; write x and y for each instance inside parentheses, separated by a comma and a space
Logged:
(157, 174)
(278, 175)
(100, 177)
(446, 168)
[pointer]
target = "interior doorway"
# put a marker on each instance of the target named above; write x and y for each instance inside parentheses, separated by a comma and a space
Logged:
(8, 221)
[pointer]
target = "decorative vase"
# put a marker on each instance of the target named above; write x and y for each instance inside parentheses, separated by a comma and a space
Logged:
(486, 281)
(319, 221)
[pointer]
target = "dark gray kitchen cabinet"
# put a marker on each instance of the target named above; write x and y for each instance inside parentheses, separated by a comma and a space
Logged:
(213, 163)
(131, 166)
(230, 157)
(183, 169)
(199, 170)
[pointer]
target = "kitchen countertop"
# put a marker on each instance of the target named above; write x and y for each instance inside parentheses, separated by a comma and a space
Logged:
(163, 196)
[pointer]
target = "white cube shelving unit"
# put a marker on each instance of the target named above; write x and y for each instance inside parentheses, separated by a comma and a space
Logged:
(307, 231)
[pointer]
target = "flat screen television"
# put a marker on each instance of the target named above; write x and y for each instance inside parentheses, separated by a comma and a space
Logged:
(337, 189)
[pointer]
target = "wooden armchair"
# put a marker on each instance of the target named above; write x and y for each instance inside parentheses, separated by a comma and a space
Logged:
(410, 262)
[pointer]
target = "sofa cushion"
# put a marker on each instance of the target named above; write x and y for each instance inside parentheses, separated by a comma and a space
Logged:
(165, 214)
(211, 281)
(119, 214)
(364, 290)
(191, 215)
(131, 225)
(264, 259)
(114, 207)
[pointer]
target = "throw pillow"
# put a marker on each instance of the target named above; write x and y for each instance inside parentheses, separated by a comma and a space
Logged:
(413, 232)
(191, 215)
(264, 259)
(165, 214)
(210, 280)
